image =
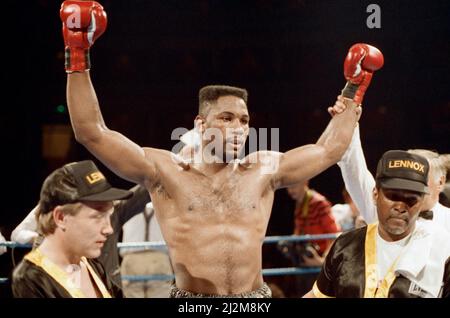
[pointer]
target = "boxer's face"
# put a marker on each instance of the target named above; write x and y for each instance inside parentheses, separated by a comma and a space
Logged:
(229, 115)
(86, 232)
(397, 211)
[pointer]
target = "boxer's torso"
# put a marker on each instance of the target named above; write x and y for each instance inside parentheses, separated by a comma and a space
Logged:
(214, 224)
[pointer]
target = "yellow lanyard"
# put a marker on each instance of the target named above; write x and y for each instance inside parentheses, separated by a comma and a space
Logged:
(374, 289)
(305, 204)
(39, 259)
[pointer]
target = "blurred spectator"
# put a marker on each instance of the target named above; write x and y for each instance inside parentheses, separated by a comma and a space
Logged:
(140, 261)
(2, 248)
(445, 196)
(312, 215)
(123, 211)
(347, 215)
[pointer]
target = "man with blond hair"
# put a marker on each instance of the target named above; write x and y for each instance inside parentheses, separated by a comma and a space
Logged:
(73, 216)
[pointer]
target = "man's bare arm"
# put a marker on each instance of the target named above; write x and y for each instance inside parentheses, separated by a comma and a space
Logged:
(118, 153)
(305, 162)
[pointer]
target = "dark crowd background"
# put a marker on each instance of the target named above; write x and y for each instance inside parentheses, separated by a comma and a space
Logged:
(155, 55)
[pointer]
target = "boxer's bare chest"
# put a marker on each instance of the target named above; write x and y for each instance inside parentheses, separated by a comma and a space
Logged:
(229, 192)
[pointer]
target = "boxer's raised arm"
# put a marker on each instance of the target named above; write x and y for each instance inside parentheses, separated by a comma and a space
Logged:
(303, 163)
(83, 22)
(117, 152)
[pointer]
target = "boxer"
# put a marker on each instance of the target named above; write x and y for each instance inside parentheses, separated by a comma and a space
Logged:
(213, 213)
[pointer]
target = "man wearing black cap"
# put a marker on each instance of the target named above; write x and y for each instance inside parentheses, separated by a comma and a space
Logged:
(124, 210)
(359, 181)
(402, 257)
(74, 212)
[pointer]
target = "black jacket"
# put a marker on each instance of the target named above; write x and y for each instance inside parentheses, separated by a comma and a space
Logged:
(124, 211)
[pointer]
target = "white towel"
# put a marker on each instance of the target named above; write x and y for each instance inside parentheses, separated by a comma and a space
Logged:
(423, 261)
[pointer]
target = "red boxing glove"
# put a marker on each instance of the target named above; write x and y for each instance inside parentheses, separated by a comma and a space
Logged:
(83, 22)
(361, 61)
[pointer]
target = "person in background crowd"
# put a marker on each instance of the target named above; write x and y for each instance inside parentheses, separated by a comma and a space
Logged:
(347, 214)
(312, 215)
(144, 261)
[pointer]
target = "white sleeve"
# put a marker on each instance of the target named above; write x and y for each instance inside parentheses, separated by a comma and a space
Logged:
(25, 232)
(2, 248)
(358, 180)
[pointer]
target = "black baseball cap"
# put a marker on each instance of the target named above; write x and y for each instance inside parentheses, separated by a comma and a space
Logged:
(78, 181)
(398, 169)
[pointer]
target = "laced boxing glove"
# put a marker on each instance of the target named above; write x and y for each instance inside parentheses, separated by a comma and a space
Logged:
(360, 63)
(83, 22)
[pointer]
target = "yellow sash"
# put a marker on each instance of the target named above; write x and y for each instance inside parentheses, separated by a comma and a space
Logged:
(372, 288)
(39, 259)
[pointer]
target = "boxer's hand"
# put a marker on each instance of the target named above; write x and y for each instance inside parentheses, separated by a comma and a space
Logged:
(360, 63)
(83, 22)
(340, 105)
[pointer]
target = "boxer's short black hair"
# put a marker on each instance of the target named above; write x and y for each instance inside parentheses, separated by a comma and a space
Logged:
(211, 93)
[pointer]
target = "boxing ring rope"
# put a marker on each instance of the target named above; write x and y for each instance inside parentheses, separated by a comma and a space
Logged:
(267, 240)
(160, 245)
(265, 272)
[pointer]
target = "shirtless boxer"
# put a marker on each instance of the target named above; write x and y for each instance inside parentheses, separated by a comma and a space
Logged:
(213, 215)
